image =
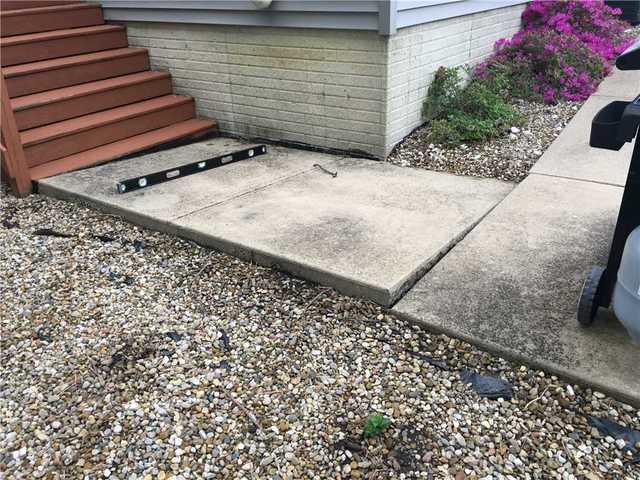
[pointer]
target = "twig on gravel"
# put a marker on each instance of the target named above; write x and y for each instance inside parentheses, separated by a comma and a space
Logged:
(206, 263)
(246, 411)
(307, 306)
(96, 374)
(256, 423)
(526, 407)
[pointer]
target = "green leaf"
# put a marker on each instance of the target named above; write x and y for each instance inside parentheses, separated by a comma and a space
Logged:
(374, 425)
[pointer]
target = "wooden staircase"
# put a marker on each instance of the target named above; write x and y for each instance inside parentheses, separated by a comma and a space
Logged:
(74, 94)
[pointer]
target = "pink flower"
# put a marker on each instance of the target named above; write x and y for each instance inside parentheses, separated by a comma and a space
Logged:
(563, 51)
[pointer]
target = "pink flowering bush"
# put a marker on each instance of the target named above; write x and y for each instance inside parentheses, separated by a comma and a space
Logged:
(595, 24)
(563, 51)
(546, 66)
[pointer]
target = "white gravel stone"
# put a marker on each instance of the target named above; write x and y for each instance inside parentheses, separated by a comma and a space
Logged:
(508, 157)
(102, 377)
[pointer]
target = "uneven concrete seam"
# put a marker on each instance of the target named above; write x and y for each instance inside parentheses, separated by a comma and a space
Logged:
(296, 268)
(513, 355)
(247, 192)
(410, 280)
(583, 180)
(401, 288)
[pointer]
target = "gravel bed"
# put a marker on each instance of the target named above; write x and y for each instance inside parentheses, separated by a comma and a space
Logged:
(130, 354)
(509, 157)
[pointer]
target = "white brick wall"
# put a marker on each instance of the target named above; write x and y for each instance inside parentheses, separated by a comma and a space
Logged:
(415, 53)
(351, 90)
(323, 87)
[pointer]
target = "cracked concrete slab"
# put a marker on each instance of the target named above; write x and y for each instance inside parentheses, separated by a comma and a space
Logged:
(372, 231)
(154, 207)
(179, 196)
(570, 155)
(512, 285)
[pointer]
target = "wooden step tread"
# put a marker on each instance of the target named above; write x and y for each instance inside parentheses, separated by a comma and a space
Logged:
(8, 5)
(58, 34)
(47, 9)
(112, 151)
(48, 19)
(72, 126)
(46, 75)
(57, 63)
(75, 91)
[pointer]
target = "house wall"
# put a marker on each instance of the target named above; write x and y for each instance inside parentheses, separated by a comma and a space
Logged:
(321, 87)
(415, 53)
(345, 89)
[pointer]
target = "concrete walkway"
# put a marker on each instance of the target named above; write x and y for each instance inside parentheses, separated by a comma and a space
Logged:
(512, 285)
(372, 231)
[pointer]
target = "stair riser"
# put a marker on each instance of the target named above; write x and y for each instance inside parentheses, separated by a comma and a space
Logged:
(62, 47)
(44, 22)
(191, 129)
(81, 141)
(75, 75)
(76, 107)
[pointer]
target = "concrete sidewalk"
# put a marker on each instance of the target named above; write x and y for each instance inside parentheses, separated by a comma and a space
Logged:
(372, 231)
(512, 285)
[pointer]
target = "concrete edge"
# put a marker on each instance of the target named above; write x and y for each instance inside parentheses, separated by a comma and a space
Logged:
(133, 217)
(343, 284)
(404, 285)
(583, 180)
(340, 283)
(630, 397)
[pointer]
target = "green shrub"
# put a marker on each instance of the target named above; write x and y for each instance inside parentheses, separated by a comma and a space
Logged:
(443, 92)
(473, 113)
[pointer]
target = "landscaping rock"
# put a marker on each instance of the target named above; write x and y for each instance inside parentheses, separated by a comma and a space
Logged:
(509, 157)
(305, 368)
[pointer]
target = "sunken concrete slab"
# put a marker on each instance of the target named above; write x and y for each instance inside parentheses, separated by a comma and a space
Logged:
(155, 206)
(372, 231)
(512, 285)
(570, 155)
(620, 85)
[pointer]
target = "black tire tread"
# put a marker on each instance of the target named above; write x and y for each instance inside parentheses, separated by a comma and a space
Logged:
(588, 305)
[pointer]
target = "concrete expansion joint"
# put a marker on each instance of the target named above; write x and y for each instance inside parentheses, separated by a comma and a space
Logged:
(246, 192)
(580, 180)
